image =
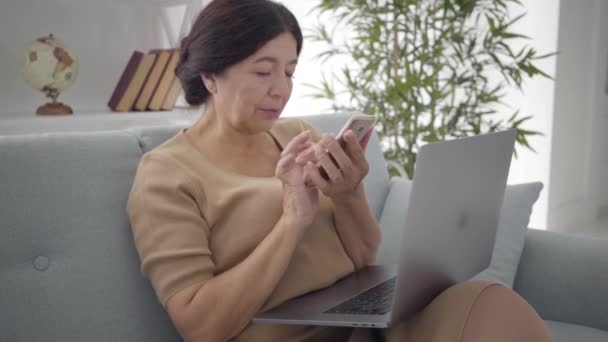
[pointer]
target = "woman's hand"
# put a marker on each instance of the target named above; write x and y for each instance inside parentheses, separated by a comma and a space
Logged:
(345, 166)
(300, 202)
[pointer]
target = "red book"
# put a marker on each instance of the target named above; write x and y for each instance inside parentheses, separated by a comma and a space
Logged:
(131, 81)
(125, 78)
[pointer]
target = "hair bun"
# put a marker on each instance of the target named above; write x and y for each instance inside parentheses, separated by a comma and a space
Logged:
(192, 85)
(184, 52)
(195, 91)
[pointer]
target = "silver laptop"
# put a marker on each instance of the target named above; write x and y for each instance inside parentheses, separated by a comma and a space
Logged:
(447, 238)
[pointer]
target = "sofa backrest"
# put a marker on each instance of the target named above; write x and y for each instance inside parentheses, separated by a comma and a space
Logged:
(564, 277)
(68, 268)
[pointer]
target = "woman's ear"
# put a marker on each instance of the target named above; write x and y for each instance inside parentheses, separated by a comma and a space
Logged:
(210, 83)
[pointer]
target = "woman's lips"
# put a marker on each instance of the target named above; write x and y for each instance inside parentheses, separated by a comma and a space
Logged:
(271, 113)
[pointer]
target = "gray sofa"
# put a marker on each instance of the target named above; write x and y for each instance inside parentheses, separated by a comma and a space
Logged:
(69, 271)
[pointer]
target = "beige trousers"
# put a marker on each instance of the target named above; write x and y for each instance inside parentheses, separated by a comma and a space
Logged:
(472, 311)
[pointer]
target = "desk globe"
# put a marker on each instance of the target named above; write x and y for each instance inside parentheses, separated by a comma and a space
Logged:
(49, 67)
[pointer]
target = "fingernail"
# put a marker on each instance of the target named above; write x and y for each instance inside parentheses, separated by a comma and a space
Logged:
(348, 136)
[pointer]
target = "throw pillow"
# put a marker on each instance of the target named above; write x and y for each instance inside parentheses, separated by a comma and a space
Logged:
(511, 233)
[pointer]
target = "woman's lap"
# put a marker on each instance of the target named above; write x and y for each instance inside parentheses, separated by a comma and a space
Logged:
(467, 312)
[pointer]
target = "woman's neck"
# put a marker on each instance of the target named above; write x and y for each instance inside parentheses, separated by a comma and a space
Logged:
(214, 129)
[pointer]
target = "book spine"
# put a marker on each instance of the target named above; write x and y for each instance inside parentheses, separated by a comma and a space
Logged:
(125, 79)
(171, 98)
(128, 100)
(163, 59)
(148, 78)
(165, 82)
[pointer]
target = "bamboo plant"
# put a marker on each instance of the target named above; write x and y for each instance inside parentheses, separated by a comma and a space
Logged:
(430, 70)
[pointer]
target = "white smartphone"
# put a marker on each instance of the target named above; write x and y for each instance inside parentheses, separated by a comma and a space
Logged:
(359, 124)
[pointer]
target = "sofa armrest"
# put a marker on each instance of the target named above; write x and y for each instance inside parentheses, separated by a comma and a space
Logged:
(565, 277)
(392, 220)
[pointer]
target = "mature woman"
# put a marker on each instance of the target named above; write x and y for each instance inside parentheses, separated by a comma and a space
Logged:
(231, 216)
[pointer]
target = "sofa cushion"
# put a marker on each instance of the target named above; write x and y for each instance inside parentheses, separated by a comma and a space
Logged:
(511, 234)
(566, 332)
(68, 267)
(392, 220)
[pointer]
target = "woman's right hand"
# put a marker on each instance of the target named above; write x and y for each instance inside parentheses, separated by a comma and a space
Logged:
(300, 201)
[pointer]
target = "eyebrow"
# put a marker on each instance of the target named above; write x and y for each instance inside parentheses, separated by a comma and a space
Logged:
(273, 60)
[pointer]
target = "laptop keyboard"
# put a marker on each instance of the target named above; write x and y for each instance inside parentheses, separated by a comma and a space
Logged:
(375, 301)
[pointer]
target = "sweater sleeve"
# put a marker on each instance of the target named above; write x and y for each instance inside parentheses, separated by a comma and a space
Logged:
(169, 231)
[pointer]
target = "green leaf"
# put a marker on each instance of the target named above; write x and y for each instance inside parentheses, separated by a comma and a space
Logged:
(423, 68)
(510, 35)
(516, 19)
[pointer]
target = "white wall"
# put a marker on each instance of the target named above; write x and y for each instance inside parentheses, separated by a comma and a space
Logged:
(309, 69)
(102, 35)
(536, 99)
(579, 161)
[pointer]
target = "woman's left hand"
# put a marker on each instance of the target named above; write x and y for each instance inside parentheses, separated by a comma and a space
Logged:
(345, 166)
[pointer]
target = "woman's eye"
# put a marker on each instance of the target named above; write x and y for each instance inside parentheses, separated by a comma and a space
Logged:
(262, 74)
(289, 74)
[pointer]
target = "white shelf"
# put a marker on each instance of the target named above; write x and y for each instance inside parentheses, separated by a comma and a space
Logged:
(27, 123)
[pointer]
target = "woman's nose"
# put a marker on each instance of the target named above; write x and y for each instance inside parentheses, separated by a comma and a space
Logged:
(281, 86)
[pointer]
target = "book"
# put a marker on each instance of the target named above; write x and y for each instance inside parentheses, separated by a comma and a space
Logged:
(165, 82)
(131, 81)
(125, 78)
(151, 82)
(172, 94)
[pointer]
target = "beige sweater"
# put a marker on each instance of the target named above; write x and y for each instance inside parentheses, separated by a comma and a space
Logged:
(192, 220)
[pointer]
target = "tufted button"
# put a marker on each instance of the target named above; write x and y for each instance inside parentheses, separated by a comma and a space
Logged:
(41, 263)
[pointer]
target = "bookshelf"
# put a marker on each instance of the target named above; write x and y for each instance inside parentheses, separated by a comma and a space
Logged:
(30, 123)
(141, 25)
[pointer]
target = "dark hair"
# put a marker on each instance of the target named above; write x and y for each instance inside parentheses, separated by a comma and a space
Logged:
(225, 33)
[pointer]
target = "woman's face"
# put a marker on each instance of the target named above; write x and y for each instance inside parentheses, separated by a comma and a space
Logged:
(253, 93)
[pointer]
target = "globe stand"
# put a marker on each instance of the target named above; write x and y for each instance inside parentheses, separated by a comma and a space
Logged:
(54, 107)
